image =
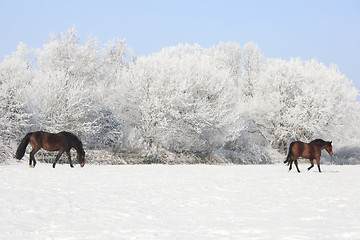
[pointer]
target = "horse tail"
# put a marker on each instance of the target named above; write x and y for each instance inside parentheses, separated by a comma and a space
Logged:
(20, 152)
(289, 154)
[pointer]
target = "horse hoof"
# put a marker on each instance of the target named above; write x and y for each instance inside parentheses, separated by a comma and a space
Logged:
(71, 166)
(31, 166)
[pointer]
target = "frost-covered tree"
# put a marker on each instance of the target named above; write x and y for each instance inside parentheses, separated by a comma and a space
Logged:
(227, 101)
(251, 65)
(114, 57)
(64, 94)
(298, 100)
(228, 56)
(61, 94)
(180, 99)
(15, 74)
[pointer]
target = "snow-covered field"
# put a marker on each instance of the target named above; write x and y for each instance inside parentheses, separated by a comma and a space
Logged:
(178, 202)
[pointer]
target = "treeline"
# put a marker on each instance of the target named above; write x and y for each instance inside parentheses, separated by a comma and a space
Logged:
(183, 104)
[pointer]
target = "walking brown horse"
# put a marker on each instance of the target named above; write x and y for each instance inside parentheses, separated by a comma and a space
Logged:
(310, 151)
(61, 142)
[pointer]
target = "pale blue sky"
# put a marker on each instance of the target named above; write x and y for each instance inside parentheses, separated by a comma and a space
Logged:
(327, 30)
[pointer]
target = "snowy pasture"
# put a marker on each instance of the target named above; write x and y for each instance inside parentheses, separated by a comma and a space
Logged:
(179, 202)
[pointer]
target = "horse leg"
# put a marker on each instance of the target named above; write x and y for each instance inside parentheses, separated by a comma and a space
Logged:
(57, 157)
(290, 164)
(30, 161)
(318, 163)
(312, 164)
(296, 164)
(32, 157)
(69, 157)
(293, 160)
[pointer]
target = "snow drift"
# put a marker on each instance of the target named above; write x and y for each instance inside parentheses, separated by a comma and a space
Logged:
(179, 202)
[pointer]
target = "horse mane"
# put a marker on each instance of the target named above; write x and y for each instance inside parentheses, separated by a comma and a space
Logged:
(77, 144)
(320, 142)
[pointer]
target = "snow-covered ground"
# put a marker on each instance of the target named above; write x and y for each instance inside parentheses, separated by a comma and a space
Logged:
(179, 202)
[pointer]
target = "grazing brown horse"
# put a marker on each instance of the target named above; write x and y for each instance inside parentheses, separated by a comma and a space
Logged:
(61, 142)
(310, 151)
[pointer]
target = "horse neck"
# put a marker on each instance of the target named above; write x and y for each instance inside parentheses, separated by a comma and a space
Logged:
(77, 149)
(322, 145)
(78, 146)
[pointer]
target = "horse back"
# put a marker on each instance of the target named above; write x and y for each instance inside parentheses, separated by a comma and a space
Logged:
(301, 149)
(307, 150)
(36, 139)
(49, 141)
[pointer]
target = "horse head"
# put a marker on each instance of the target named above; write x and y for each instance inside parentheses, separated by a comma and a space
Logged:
(328, 148)
(81, 158)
